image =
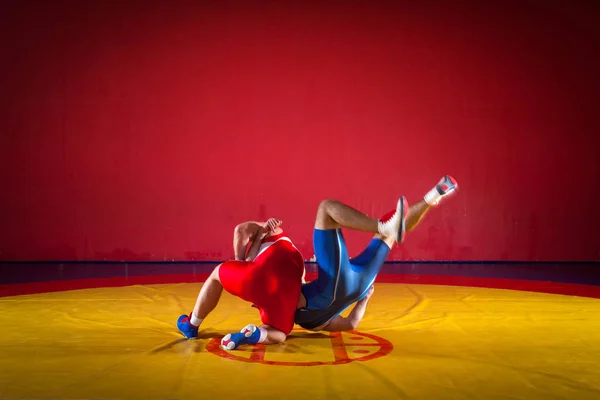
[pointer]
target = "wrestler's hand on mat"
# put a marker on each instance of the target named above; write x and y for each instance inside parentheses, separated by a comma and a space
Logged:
(370, 292)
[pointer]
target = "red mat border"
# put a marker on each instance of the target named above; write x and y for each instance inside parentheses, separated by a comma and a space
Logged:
(570, 289)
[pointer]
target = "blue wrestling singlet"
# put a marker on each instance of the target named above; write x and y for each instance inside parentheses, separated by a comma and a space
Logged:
(341, 281)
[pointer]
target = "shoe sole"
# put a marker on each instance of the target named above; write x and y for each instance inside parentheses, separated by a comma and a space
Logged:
(402, 228)
(250, 331)
(450, 188)
(228, 346)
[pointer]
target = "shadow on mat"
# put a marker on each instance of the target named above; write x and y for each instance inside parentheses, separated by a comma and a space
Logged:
(307, 335)
(199, 342)
(205, 336)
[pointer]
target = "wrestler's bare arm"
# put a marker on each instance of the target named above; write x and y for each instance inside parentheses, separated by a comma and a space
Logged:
(242, 235)
(256, 242)
(252, 231)
(349, 323)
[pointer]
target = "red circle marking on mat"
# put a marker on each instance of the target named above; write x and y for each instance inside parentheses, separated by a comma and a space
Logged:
(338, 347)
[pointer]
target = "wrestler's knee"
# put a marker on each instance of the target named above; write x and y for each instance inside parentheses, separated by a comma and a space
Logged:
(325, 205)
(215, 274)
(277, 338)
(324, 219)
(274, 336)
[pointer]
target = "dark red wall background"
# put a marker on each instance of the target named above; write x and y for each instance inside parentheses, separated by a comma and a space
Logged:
(147, 130)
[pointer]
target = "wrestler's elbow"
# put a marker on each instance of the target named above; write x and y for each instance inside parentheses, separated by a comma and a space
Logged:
(341, 324)
(239, 230)
(353, 324)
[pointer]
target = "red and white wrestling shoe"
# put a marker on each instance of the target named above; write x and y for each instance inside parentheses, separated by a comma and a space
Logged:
(393, 224)
(444, 187)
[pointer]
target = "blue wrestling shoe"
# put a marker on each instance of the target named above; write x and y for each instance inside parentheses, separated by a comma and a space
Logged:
(184, 326)
(249, 334)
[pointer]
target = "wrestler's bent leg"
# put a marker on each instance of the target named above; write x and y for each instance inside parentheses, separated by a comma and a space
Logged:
(252, 334)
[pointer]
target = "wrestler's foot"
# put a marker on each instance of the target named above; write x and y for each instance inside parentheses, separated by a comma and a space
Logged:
(393, 224)
(444, 187)
(185, 327)
(249, 334)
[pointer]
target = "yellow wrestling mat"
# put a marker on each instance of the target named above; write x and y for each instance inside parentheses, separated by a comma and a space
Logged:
(416, 342)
